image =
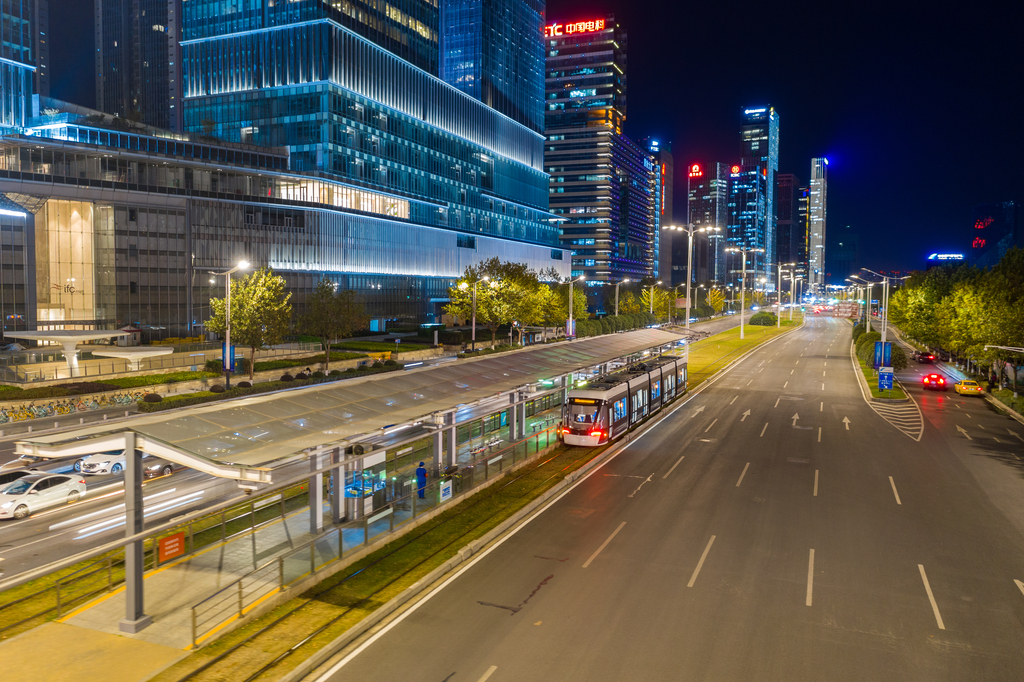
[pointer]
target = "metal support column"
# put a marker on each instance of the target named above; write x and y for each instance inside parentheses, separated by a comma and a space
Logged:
(453, 446)
(522, 417)
(134, 560)
(338, 487)
(316, 496)
(352, 504)
(513, 416)
(438, 464)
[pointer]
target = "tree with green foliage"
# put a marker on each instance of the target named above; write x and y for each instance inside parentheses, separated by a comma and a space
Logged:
(332, 315)
(260, 312)
(716, 299)
(763, 318)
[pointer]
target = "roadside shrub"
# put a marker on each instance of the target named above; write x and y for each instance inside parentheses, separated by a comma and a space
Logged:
(899, 358)
(390, 363)
(866, 347)
(858, 331)
(287, 377)
(244, 384)
(318, 375)
(377, 365)
(152, 397)
(217, 388)
(350, 370)
(764, 319)
(336, 372)
(214, 366)
(867, 339)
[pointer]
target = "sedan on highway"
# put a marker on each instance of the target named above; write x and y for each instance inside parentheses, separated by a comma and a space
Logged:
(968, 387)
(936, 382)
(10, 476)
(925, 358)
(38, 491)
(157, 466)
(103, 463)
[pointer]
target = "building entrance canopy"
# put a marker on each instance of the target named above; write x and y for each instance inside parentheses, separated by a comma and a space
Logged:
(245, 439)
(69, 340)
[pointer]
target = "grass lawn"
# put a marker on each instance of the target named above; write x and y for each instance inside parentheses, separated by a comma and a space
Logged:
(714, 353)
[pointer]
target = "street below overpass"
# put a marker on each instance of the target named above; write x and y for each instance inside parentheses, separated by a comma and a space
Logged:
(775, 526)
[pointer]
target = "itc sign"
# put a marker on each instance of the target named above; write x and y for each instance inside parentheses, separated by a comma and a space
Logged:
(555, 30)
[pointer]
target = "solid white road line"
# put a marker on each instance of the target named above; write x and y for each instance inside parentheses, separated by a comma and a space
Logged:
(743, 474)
(763, 430)
(486, 675)
(815, 483)
(678, 462)
(604, 544)
(931, 598)
(810, 578)
(710, 425)
(693, 578)
(893, 483)
(733, 400)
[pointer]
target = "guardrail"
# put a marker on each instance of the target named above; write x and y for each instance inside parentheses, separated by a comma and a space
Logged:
(239, 597)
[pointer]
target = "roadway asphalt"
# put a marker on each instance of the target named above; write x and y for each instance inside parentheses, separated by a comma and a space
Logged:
(773, 527)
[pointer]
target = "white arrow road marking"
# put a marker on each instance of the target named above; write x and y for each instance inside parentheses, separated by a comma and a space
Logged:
(961, 430)
(1017, 435)
(795, 417)
(763, 430)
(745, 415)
(1020, 585)
(698, 410)
(931, 598)
(846, 421)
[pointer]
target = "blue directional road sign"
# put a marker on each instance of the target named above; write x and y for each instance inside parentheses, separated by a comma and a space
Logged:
(885, 379)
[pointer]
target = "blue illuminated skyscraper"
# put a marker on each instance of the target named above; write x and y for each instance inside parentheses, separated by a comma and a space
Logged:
(493, 50)
(17, 61)
(752, 218)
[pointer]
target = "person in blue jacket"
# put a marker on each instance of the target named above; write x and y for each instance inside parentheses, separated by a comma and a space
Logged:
(421, 479)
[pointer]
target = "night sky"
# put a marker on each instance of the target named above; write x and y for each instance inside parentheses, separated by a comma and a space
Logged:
(918, 109)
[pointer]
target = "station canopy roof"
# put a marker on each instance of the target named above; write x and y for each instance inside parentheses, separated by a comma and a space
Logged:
(258, 431)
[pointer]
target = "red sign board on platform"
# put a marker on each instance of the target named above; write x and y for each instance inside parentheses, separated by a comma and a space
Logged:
(170, 547)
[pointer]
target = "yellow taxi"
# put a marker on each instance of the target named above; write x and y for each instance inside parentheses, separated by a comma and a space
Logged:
(968, 387)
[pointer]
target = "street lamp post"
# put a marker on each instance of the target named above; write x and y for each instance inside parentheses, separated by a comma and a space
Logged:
(625, 281)
(652, 296)
(465, 285)
(743, 282)
(792, 290)
(690, 229)
(226, 356)
(779, 280)
(867, 302)
(572, 301)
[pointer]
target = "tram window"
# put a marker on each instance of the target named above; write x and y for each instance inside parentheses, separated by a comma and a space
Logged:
(583, 414)
(670, 383)
(655, 389)
(620, 409)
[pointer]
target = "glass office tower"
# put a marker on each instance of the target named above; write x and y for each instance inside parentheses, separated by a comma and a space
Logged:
(493, 50)
(752, 194)
(817, 196)
(707, 206)
(17, 61)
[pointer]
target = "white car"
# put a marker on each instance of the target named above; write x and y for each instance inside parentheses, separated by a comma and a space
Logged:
(32, 493)
(103, 463)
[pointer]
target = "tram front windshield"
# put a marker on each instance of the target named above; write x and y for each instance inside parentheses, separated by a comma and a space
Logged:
(584, 413)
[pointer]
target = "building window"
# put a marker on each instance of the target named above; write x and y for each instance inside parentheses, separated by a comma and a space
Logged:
(556, 254)
(466, 242)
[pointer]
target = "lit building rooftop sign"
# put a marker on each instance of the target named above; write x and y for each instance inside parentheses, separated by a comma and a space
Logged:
(946, 256)
(555, 30)
(695, 171)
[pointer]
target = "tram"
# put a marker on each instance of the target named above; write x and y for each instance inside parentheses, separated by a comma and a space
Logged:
(608, 407)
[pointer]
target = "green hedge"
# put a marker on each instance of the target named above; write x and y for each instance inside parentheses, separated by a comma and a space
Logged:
(156, 379)
(171, 402)
(764, 319)
(858, 330)
(487, 351)
(866, 347)
(380, 346)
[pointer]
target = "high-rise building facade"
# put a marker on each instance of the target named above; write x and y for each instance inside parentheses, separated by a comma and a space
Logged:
(995, 228)
(41, 30)
(707, 206)
(493, 50)
(661, 152)
(18, 61)
(135, 48)
(752, 194)
(791, 225)
(816, 224)
(605, 187)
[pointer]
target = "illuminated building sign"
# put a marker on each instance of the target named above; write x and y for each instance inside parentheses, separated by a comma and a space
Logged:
(982, 223)
(946, 256)
(735, 170)
(978, 243)
(696, 172)
(555, 30)
(749, 111)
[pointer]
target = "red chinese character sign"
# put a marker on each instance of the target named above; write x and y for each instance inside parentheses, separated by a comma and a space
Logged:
(555, 30)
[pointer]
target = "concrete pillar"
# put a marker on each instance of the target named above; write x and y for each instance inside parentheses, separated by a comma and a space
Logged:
(513, 415)
(316, 496)
(134, 560)
(453, 441)
(338, 489)
(438, 463)
(353, 510)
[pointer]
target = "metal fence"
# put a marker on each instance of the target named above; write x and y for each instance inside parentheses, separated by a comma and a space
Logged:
(240, 597)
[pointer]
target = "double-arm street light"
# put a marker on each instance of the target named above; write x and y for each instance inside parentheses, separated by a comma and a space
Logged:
(781, 265)
(867, 303)
(572, 302)
(743, 281)
(625, 281)
(689, 230)
(885, 299)
(226, 362)
(652, 295)
(464, 286)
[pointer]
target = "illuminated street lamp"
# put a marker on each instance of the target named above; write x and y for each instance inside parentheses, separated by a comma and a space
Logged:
(226, 357)
(571, 329)
(464, 286)
(743, 282)
(689, 230)
(780, 292)
(625, 281)
(652, 295)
